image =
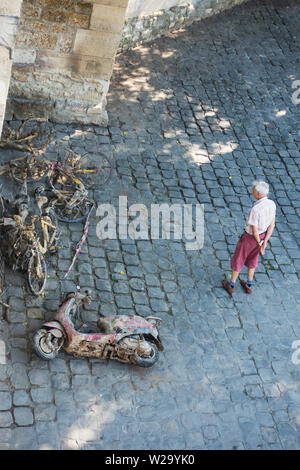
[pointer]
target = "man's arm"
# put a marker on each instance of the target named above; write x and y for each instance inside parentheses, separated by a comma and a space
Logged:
(267, 237)
(256, 235)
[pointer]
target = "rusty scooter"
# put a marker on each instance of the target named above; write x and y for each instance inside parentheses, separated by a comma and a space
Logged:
(127, 339)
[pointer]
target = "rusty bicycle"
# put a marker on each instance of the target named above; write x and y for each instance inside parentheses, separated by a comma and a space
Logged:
(68, 183)
(27, 239)
(27, 168)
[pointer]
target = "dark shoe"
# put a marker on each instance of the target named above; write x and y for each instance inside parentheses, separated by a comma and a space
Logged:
(226, 284)
(245, 287)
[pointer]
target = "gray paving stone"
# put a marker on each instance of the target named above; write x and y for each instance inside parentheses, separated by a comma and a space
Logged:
(41, 395)
(44, 413)
(23, 416)
(79, 366)
(39, 377)
(60, 381)
(5, 401)
(21, 398)
(19, 378)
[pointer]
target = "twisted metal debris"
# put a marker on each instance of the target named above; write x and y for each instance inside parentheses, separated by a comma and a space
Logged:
(29, 238)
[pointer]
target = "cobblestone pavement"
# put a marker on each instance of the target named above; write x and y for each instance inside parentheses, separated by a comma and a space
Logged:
(195, 117)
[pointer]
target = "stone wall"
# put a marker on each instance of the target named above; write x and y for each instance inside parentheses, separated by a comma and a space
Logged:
(9, 14)
(63, 59)
(147, 20)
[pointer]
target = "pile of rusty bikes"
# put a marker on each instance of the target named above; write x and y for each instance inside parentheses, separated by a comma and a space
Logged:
(29, 238)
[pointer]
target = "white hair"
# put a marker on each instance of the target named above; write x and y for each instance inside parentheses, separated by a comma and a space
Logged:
(261, 187)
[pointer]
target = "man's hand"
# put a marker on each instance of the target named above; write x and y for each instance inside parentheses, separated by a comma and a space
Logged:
(263, 246)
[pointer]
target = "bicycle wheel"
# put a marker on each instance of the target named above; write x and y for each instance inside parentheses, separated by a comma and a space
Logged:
(30, 169)
(52, 229)
(95, 176)
(18, 174)
(74, 214)
(36, 274)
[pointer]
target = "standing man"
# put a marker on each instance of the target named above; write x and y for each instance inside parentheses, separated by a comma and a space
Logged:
(258, 230)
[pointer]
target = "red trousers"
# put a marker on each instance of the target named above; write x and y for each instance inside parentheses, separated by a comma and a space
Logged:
(246, 252)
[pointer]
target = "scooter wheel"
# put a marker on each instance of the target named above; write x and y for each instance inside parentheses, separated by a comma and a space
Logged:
(148, 361)
(44, 344)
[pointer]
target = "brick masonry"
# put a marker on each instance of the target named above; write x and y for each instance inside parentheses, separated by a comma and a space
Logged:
(9, 13)
(63, 59)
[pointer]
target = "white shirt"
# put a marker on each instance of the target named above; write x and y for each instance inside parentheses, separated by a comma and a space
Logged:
(261, 215)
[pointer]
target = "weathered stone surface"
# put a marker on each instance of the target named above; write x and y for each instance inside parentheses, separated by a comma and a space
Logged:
(8, 31)
(83, 7)
(90, 67)
(69, 95)
(10, 7)
(55, 16)
(77, 19)
(24, 56)
(115, 3)
(54, 39)
(31, 11)
(99, 43)
(41, 40)
(107, 18)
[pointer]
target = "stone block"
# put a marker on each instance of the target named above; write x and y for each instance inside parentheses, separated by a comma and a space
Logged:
(55, 16)
(24, 56)
(83, 7)
(65, 44)
(90, 67)
(4, 84)
(5, 72)
(31, 24)
(42, 40)
(66, 4)
(4, 54)
(10, 7)
(96, 43)
(115, 3)
(22, 37)
(60, 29)
(54, 3)
(107, 18)
(8, 31)
(80, 20)
(30, 11)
